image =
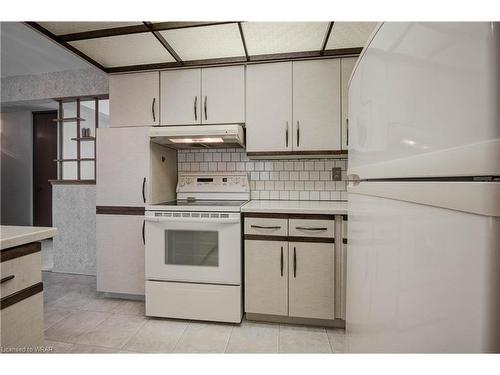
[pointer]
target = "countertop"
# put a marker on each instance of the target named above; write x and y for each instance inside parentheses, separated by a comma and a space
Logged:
(296, 207)
(11, 235)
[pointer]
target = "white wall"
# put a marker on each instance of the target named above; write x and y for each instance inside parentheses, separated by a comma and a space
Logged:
(16, 168)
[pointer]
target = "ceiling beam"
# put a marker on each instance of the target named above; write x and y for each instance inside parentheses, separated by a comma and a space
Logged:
(164, 43)
(238, 60)
(134, 29)
(55, 38)
(327, 36)
(243, 40)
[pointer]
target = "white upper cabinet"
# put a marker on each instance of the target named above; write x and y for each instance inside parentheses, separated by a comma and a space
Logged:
(347, 66)
(203, 96)
(223, 91)
(269, 107)
(134, 99)
(181, 97)
(316, 105)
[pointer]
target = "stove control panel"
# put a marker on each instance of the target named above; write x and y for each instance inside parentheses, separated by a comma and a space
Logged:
(213, 183)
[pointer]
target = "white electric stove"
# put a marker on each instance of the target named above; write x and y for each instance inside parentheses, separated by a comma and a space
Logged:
(193, 249)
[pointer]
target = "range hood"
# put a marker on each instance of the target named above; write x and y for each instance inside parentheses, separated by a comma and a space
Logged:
(199, 136)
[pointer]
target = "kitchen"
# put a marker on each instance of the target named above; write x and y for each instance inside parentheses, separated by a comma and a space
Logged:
(246, 200)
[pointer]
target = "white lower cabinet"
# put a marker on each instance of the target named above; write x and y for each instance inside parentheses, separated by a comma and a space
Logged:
(266, 277)
(312, 280)
(120, 254)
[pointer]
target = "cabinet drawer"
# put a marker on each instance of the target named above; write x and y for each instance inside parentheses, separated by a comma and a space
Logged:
(22, 323)
(266, 226)
(311, 228)
(20, 273)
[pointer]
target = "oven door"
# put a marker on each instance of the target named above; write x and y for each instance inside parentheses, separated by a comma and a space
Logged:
(194, 247)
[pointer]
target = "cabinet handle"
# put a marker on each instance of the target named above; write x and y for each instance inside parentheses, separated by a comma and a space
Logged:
(153, 109)
(286, 135)
(10, 277)
(264, 227)
(312, 228)
(144, 190)
(143, 234)
(298, 133)
(205, 107)
(347, 132)
(294, 262)
(281, 261)
(196, 108)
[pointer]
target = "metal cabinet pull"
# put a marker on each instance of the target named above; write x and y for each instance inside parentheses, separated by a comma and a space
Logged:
(10, 277)
(347, 132)
(312, 228)
(153, 109)
(264, 227)
(298, 133)
(281, 261)
(294, 262)
(196, 108)
(143, 234)
(205, 107)
(144, 190)
(286, 135)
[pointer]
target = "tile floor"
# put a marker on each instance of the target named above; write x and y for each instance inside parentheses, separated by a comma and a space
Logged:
(79, 320)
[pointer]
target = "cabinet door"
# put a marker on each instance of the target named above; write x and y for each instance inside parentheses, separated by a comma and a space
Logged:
(223, 94)
(180, 97)
(269, 107)
(266, 277)
(316, 105)
(312, 280)
(120, 254)
(347, 66)
(134, 99)
(122, 165)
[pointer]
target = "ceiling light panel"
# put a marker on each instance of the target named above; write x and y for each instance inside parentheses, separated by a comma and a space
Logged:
(282, 37)
(123, 50)
(350, 34)
(61, 28)
(205, 42)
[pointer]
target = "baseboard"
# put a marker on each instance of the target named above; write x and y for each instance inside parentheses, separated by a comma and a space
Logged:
(336, 323)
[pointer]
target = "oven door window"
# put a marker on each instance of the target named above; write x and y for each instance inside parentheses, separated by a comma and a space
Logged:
(192, 248)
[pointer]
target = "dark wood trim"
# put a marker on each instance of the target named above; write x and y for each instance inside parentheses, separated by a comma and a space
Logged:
(135, 29)
(343, 51)
(82, 159)
(344, 241)
(265, 215)
(20, 295)
(325, 40)
(69, 119)
(72, 182)
(297, 153)
(68, 99)
(259, 237)
(240, 28)
(311, 239)
(119, 210)
(312, 216)
(66, 45)
(19, 251)
(164, 43)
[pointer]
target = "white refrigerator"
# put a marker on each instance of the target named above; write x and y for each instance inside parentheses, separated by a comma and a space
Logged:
(423, 264)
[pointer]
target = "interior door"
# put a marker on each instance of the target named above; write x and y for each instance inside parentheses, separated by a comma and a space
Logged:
(122, 166)
(312, 280)
(347, 66)
(44, 167)
(269, 107)
(180, 97)
(316, 105)
(134, 99)
(223, 94)
(266, 277)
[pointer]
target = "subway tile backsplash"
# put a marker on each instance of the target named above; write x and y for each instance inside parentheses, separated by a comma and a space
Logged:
(296, 179)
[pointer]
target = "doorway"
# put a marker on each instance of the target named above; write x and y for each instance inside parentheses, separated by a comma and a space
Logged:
(44, 165)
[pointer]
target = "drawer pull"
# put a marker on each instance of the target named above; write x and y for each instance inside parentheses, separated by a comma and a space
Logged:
(281, 261)
(312, 228)
(7, 278)
(265, 227)
(294, 262)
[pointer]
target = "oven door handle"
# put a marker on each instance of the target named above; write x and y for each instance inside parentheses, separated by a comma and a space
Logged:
(192, 220)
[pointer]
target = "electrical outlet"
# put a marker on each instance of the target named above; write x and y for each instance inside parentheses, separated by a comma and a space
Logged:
(336, 174)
